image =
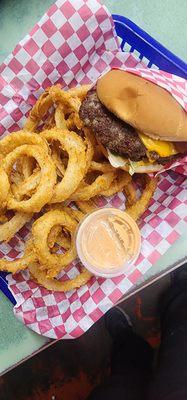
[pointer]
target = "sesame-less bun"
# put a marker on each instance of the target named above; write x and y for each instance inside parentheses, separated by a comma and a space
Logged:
(144, 105)
(145, 169)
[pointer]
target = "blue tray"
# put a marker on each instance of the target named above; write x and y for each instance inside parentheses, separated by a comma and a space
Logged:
(148, 50)
(4, 287)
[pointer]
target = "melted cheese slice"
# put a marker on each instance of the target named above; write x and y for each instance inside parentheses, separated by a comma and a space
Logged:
(164, 149)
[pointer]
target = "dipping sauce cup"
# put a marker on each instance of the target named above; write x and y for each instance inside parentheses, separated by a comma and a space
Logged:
(108, 242)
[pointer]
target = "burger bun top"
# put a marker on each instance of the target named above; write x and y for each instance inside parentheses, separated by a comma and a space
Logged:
(144, 105)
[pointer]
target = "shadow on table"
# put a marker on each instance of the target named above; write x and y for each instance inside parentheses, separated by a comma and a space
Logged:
(69, 369)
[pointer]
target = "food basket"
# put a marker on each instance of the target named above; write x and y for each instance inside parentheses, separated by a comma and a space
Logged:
(152, 53)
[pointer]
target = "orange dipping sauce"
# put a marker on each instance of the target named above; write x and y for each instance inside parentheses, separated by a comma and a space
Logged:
(108, 242)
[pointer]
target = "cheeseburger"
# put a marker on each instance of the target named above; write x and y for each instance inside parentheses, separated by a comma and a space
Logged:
(138, 124)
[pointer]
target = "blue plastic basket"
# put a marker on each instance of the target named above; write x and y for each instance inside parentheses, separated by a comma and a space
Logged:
(146, 48)
(4, 287)
(134, 39)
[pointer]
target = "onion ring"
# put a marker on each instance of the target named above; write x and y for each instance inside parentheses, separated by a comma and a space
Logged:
(56, 236)
(5, 187)
(28, 186)
(80, 91)
(74, 121)
(19, 138)
(101, 166)
(60, 96)
(25, 166)
(3, 217)
(75, 214)
(137, 209)
(130, 193)
(49, 122)
(55, 285)
(90, 148)
(118, 184)
(74, 146)
(42, 105)
(86, 192)
(9, 228)
(86, 206)
(24, 169)
(63, 241)
(15, 178)
(20, 263)
(55, 154)
(53, 234)
(44, 190)
(41, 229)
(60, 120)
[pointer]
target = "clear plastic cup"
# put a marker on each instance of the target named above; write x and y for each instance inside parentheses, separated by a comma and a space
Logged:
(108, 242)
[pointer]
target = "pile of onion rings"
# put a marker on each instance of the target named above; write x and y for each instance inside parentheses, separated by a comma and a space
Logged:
(51, 163)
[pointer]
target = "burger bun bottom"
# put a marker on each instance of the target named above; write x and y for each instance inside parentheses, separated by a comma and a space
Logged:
(145, 169)
(122, 163)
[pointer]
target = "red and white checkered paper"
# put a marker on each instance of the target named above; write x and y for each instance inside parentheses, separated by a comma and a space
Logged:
(74, 43)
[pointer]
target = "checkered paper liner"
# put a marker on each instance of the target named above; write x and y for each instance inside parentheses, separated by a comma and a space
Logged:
(74, 43)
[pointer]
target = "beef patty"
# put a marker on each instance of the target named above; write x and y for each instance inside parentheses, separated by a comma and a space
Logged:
(110, 131)
(165, 160)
